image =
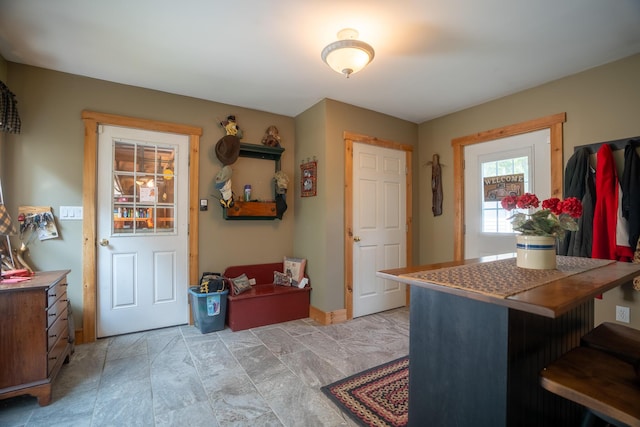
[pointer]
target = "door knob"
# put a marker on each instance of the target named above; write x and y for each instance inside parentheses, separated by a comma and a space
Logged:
(356, 239)
(104, 242)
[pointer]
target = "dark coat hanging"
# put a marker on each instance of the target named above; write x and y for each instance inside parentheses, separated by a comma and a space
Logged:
(630, 184)
(579, 182)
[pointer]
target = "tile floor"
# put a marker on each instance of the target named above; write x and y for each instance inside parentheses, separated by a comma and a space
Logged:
(268, 376)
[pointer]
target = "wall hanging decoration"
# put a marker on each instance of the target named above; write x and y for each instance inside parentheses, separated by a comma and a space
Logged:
(308, 178)
(436, 185)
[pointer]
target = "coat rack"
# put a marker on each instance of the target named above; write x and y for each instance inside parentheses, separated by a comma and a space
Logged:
(615, 145)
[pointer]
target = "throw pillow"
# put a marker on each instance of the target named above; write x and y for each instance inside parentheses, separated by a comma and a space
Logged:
(294, 268)
(240, 284)
(281, 279)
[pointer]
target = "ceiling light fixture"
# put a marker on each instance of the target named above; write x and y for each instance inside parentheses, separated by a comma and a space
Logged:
(348, 55)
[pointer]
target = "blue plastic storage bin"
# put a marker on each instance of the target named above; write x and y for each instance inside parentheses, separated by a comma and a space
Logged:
(209, 309)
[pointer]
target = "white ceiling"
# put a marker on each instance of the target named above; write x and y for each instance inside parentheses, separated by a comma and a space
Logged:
(433, 57)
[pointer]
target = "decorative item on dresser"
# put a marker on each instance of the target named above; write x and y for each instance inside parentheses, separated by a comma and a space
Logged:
(34, 342)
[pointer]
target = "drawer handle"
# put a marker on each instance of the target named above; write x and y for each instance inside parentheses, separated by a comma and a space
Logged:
(52, 295)
(52, 336)
(53, 314)
(53, 358)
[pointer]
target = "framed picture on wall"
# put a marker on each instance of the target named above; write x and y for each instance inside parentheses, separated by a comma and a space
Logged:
(308, 178)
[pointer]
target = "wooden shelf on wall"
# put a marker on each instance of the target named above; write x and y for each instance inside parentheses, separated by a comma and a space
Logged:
(258, 151)
(250, 210)
(255, 210)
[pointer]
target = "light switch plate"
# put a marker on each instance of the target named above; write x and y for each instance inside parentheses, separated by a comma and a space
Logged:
(69, 213)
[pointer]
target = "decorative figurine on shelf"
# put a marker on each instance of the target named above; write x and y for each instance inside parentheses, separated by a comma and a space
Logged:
(228, 147)
(231, 126)
(271, 137)
(223, 184)
(281, 183)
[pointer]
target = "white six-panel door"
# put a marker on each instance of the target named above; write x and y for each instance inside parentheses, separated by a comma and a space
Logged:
(379, 224)
(142, 204)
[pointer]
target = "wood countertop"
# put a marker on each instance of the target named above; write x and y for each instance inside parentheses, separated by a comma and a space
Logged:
(552, 299)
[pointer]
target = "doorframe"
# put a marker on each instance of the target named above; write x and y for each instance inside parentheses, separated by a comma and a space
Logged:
(91, 121)
(553, 123)
(349, 139)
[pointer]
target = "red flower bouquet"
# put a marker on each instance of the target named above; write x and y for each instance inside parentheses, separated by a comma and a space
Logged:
(555, 219)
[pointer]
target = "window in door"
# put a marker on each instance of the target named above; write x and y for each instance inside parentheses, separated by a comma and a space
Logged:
(143, 188)
(494, 217)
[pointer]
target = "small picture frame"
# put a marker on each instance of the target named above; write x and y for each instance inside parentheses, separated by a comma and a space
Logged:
(308, 179)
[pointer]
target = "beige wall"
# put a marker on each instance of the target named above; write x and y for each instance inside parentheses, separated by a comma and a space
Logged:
(601, 105)
(320, 132)
(46, 170)
(310, 221)
(44, 165)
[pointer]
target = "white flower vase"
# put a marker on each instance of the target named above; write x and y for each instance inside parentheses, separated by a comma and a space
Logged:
(536, 252)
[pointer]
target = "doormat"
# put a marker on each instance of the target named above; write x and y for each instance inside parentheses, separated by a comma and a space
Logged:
(376, 397)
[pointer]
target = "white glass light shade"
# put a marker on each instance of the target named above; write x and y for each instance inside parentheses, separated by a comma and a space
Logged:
(347, 56)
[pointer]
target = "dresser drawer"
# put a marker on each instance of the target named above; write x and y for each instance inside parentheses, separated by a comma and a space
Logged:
(58, 329)
(56, 291)
(57, 351)
(56, 309)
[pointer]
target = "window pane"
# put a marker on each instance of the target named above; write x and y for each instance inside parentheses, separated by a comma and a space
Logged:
(494, 218)
(143, 188)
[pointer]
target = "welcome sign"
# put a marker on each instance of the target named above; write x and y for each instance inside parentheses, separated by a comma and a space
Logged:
(498, 187)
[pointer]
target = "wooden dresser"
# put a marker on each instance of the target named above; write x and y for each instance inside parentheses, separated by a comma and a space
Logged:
(34, 335)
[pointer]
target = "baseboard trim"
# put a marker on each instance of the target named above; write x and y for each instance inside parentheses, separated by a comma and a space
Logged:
(328, 318)
(79, 337)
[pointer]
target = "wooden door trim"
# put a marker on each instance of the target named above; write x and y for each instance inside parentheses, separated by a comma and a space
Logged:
(349, 139)
(553, 123)
(91, 121)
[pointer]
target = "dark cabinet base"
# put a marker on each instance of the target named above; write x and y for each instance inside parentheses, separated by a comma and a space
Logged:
(478, 364)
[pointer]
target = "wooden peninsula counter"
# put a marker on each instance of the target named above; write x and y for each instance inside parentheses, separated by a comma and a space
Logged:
(482, 330)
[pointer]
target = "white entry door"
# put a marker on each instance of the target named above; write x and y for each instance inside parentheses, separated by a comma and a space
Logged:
(379, 226)
(487, 230)
(142, 230)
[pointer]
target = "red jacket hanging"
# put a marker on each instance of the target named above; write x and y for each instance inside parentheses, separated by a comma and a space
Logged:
(607, 223)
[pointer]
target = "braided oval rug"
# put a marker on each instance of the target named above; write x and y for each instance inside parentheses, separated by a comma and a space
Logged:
(376, 397)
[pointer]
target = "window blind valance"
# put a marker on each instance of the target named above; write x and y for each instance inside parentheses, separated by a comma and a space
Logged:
(9, 117)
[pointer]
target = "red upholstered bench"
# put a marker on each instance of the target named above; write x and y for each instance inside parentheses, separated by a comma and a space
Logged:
(265, 303)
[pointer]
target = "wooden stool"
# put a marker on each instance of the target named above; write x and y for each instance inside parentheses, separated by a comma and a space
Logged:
(618, 340)
(603, 383)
